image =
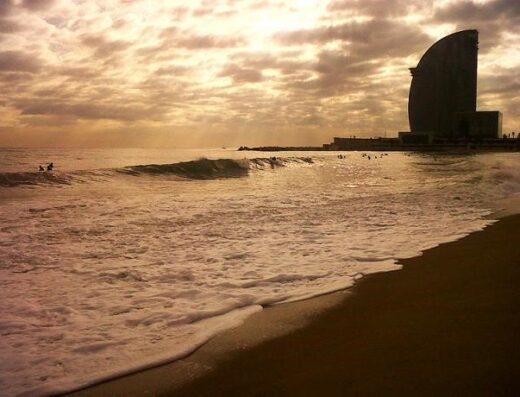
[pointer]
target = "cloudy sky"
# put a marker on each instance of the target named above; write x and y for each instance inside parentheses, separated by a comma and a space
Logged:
(150, 73)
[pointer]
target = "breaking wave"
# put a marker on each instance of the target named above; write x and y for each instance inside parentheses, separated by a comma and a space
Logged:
(11, 179)
(197, 169)
(202, 168)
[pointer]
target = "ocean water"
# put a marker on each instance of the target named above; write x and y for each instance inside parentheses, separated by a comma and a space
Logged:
(123, 259)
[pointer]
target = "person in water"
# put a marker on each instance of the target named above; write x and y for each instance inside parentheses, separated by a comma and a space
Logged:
(50, 166)
(41, 168)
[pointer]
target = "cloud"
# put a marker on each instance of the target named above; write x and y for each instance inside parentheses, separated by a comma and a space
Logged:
(286, 63)
(376, 8)
(202, 11)
(377, 37)
(261, 67)
(78, 72)
(179, 12)
(470, 10)
(12, 82)
(364, 49)
(241, 75)
(84, 110)
(196, 42)
(19, 61)
(173, 70)
(102, 46)
(492, 19)
(6, 6)
(502, 81)
(8, 26)
(172, 39)
(37, 5)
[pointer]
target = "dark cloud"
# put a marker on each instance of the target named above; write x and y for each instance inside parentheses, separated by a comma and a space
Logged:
(470, 10)
(6, 6)
(170, 32)
(104, 47)
(492, 19)
(195, 42)
(96, 90)
(11, 81)
(365, 47)
(78, 72)
(173, 39)
(175, 70)
(378, 37)
(9, 26)
(88, 111)
(179, 12)
(241, 75)
(335, 74)
(153, 51)
(284, 62)
(18, 61)
(165, 91)
(210, 9)
(119, 23)
(376, 8)
(265, 4)
(37, 5)
(502, 82)
(202, 11)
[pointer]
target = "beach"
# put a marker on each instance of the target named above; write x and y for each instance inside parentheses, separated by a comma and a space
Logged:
(195, 263)
(447, 323)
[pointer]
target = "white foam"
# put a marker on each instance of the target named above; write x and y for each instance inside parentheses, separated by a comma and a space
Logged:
(99, 280)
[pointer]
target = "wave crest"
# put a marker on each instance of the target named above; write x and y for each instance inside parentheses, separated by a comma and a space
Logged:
(196, 169)
(11, 179)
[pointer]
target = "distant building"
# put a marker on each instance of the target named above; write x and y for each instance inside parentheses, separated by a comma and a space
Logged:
(442, 105)
(416, 138)
(477, 125)
(443, 93)
(362, 144)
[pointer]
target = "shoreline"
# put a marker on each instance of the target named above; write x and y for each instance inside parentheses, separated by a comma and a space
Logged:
(394, 145)
(269, 323)
(293, 343)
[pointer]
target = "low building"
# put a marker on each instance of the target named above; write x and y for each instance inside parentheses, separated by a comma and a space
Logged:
(361, 143)
(415, 138)
(477, 125)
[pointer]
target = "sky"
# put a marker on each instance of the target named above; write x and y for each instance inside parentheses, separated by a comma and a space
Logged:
(211, 73)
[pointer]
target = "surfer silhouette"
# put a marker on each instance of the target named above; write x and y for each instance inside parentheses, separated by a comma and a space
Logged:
(50, 166)
(41, 168)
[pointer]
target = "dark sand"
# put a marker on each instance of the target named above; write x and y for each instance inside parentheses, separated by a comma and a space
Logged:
(448, 323)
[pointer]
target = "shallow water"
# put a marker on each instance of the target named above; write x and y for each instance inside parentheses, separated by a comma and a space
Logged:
(106, 268)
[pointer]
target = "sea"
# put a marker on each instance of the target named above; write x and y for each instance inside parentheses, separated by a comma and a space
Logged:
(122, 259)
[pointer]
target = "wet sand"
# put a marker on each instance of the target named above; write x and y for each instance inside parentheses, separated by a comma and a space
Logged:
(448, 323)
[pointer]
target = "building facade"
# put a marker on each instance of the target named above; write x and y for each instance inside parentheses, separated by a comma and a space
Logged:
(477, 125)
(444, 83)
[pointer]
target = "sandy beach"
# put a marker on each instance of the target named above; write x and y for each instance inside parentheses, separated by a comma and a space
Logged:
(448, 323)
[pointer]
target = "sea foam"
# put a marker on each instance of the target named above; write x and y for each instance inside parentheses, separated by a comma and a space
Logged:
(132, 269)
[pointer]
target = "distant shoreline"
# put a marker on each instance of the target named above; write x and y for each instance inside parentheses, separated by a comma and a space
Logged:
(376, 145)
